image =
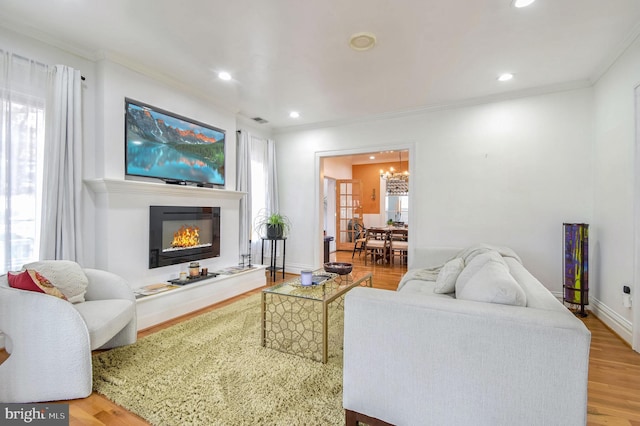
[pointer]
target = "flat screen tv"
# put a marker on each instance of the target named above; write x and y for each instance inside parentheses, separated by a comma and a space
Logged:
(166, 146)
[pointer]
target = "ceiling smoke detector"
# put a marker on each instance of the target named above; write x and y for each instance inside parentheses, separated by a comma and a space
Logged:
(362, 41)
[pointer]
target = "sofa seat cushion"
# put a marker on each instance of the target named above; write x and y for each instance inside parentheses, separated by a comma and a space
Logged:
(105, 318)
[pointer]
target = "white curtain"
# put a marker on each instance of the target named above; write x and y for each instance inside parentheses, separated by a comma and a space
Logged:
(61, 202)
(256, 176)
(23, 88)
(243, 184)
(272, 178)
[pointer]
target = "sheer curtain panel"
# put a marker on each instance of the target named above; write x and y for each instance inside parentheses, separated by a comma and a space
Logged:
(256, 176)
(243, 184)
(23, 90)
(61, 202)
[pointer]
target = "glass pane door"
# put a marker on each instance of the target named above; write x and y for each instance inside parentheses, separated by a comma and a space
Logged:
(349, 212)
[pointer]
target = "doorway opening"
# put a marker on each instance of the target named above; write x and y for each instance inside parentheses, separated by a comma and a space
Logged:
(354, 190)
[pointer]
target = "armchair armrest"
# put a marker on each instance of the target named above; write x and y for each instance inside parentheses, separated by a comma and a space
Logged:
(32, 322)
(107, 285)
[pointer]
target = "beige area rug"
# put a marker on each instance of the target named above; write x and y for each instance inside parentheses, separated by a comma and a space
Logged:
(212, 370)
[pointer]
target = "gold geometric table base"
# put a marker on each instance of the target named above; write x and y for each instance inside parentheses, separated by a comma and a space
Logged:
(295, 319)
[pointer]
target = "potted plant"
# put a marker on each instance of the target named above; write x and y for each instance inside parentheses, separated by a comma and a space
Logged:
(272, 225)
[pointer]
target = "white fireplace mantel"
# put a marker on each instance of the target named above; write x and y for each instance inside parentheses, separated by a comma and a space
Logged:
(121, 225)
(134, 187)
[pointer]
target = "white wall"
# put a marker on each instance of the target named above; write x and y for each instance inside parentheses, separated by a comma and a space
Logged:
(614, 152)
(508, 172)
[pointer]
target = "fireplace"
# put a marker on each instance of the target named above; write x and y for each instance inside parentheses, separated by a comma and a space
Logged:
(179, 234)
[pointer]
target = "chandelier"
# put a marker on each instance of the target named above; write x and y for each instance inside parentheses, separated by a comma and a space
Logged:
(397, 182)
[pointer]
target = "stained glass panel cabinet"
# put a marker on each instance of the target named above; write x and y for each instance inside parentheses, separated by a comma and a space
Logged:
(576, 266)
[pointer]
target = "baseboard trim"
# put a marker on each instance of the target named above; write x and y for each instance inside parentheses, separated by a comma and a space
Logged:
(616, 322)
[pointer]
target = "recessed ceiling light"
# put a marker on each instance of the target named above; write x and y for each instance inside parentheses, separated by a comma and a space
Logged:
(372, 157)
(294, 114)
(362, 41)
(521, 3)
(505, 77)
(223, 75)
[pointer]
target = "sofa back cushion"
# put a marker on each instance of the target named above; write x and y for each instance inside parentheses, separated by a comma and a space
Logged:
(538, 296)
(474, 266)
(448, 275)
(493, 283)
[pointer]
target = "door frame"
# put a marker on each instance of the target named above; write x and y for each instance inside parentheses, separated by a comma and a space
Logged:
(318, 243)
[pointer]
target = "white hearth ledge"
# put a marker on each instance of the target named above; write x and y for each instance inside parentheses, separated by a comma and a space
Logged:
(161, 307)
(134, 187)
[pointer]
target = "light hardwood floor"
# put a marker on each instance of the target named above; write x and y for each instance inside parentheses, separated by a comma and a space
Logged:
(614, 369)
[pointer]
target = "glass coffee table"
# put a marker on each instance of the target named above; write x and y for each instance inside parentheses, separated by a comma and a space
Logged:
(295, 317)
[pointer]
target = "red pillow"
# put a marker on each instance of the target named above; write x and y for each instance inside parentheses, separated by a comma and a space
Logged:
(31, 280)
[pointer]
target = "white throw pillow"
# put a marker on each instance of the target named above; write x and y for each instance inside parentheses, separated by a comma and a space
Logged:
(446, 281)
(493, 284)
(66, 275)
(475, 265)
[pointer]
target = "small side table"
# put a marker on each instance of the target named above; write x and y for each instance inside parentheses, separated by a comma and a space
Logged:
(327, 245)
(273, 268)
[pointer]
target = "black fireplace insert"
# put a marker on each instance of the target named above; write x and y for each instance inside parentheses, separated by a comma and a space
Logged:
(179, 234)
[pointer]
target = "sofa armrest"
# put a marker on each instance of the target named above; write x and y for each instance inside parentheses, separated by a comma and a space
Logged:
(107, 285)
(46, 333)
(429, 360)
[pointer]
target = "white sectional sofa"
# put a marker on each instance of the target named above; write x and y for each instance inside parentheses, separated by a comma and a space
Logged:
(498, 355)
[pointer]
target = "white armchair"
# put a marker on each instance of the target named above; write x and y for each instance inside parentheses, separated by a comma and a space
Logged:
(50, 340)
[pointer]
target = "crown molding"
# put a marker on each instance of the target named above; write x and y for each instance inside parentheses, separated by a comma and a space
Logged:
(615, 54)
(465, 103)
(34, 33)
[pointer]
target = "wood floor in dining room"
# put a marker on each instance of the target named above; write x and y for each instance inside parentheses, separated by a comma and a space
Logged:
(614, 369)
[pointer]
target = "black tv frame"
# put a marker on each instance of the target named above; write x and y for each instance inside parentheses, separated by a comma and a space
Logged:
(188, 121)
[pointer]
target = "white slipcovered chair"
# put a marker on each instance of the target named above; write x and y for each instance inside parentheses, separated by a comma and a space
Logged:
(50, 339)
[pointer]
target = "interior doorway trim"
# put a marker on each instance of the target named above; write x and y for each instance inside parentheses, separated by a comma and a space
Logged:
(635, 292)
(319, 189)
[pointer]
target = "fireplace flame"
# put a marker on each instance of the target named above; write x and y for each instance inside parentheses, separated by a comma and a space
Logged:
(186, 236)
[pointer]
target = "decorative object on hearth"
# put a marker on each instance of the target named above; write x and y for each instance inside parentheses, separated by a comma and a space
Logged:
(340, 268)
(576, 266)
(194, 269)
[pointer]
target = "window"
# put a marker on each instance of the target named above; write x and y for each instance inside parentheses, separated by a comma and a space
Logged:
(22, 124)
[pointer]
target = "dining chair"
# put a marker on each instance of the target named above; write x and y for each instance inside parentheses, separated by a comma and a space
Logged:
(377, 245)
(399, 244)
(359, 237)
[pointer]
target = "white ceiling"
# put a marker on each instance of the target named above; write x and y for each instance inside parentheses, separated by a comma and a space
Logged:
(294, 55)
